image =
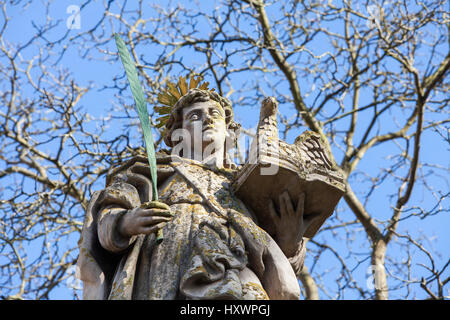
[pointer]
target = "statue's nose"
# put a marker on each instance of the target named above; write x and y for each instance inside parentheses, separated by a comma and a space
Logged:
(208, 119)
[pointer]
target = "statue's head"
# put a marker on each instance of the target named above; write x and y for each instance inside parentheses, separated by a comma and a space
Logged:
(200, 122)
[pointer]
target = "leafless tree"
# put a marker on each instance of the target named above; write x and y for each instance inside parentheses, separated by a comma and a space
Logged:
(369, 76)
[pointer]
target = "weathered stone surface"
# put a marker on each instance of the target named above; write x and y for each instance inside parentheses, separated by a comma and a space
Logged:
(217, 243)
(303, 167)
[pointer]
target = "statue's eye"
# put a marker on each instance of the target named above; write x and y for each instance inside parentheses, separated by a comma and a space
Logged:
(194, 117)
(216, 113)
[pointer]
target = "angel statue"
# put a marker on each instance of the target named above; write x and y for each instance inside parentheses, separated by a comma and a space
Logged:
(229, 232)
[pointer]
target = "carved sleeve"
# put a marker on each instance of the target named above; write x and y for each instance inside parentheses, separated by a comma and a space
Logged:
(108, 234)
(115, 201)
(298, 259)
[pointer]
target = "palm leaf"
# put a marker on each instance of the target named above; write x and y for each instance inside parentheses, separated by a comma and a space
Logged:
(141, 106)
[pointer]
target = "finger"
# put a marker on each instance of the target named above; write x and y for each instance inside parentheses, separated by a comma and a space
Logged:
(286, 199)
(282, 206)
(152, 229)
(273, 212)
(155, 205)
(310, 220)
(155, 212)
(300, 210)
(149, 221)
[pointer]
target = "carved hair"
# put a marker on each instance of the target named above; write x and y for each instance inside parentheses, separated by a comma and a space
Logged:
(197, 95)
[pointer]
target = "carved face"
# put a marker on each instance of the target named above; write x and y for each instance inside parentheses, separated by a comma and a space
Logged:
(205, 122)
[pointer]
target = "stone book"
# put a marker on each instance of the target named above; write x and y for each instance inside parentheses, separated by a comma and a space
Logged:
(275, 166)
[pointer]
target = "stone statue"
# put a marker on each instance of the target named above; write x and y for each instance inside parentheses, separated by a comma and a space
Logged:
(229, 232)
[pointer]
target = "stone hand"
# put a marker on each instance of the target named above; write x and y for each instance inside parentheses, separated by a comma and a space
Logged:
(290, 224)
(148, 218)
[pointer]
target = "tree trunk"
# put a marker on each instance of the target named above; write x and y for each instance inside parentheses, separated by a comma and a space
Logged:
(312, 293)
(379, 271)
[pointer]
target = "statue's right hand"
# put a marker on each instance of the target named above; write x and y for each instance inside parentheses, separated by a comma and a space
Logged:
(146, 219)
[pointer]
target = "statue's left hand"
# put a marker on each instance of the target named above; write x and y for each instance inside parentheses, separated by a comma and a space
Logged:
(290, 224)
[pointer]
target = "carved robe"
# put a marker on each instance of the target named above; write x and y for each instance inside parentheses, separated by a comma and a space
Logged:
(212, 249)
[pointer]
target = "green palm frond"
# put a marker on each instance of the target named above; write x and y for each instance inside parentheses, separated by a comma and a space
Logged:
(141, 106)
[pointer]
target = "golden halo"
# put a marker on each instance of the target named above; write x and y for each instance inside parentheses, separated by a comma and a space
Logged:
(174, 91)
